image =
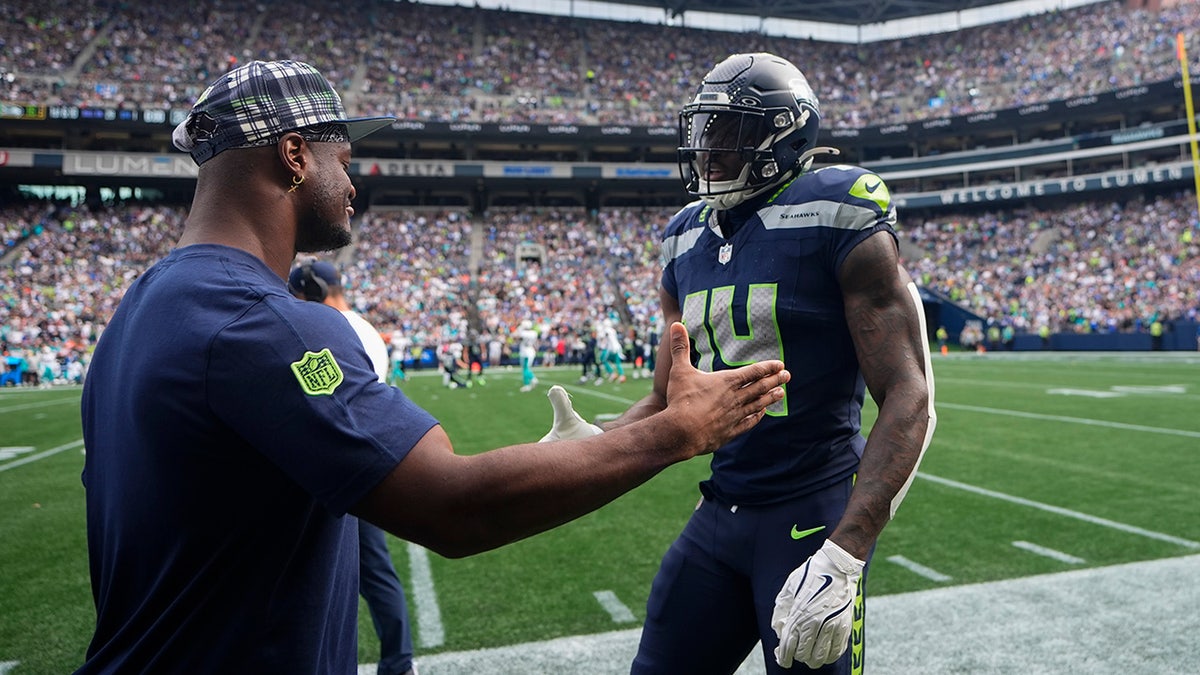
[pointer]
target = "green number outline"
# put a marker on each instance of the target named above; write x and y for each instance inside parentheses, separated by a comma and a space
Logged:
(755, 345)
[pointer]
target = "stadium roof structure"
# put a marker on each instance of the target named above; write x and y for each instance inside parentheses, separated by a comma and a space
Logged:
(844, 12)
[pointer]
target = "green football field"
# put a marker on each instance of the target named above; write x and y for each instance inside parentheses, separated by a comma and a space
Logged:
(1040, 464)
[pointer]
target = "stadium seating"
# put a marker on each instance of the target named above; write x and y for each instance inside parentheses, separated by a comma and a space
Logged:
(438, 63)
(441, 274)
(437, 276)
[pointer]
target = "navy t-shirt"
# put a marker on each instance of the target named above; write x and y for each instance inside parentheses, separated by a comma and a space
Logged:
(228, 428)
(770, 291)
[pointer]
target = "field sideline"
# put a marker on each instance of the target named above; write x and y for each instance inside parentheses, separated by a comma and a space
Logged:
(1056, 504)
(1027, 626)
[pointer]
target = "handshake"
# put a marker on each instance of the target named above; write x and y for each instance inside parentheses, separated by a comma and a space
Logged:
(814, 610)
(568, 425)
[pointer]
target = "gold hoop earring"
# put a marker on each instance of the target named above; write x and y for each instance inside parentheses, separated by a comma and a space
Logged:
(296, 182)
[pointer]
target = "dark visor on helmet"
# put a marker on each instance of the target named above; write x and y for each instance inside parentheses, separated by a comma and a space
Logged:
(724, 131)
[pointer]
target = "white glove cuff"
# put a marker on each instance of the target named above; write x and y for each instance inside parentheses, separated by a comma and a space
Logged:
(846, 563)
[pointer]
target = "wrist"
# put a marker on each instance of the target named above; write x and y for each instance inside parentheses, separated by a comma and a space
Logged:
(673, 435)
(841, 559)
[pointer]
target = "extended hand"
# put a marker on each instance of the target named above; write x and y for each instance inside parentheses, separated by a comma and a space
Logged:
(568, 425)
(814, 612)
(713, 408)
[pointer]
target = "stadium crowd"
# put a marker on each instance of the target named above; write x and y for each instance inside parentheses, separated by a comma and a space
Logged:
(434, 277)
(427, 278)
(438, 63)
(1089, 267)
(64, 274)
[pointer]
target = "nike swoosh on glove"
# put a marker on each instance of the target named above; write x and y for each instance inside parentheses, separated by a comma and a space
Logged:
(814, 612)
(568, 425)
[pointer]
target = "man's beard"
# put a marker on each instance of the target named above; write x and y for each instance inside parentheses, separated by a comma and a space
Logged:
(325, 228)
(324, 237)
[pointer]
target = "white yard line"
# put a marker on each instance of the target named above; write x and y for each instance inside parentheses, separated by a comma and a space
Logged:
(45, 453)
(1049, 553)
(430, 631)
(1090, 393)
(919, 569)
(38, 404)
(1070, 420)
(597, 392)
(1186, 433)
(615, 608)
(11, 451)
(1058, 510)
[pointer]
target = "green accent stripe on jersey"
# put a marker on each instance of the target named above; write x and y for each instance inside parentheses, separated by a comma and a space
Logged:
(782, 188)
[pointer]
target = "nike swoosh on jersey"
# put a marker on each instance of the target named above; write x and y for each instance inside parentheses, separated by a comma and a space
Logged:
(800, 534)
(872, 188)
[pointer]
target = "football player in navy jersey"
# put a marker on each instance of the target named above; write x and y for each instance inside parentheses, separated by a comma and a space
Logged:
(778, 260)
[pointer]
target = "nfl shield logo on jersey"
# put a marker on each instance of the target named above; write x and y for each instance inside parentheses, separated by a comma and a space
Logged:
(725, 254)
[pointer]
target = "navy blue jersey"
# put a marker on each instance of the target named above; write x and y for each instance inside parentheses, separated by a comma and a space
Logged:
(770, 291)
(228, 428)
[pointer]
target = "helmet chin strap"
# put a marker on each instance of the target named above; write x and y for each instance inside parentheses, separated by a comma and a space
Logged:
(808, 157)
(724, 202)
(730, 195)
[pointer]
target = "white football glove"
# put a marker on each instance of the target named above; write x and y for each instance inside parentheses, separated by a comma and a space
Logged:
(814, 612)
(568, 425)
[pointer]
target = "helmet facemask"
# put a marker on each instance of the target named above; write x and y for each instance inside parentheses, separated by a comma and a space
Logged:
(729, 152)
(748, 129)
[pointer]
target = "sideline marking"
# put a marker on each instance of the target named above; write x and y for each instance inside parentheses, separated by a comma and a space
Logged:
(1118, 391)
(7, 666)
(40, 455)
(1048, 552)
(994, 411)
(10, 451)
(919, 569)
(1151, 389)
(600, 394)
(1095, 520)
(910, 629)
(38, 404)
(1092, 393)
(429, 616)
(615, 608)
(1073, 420)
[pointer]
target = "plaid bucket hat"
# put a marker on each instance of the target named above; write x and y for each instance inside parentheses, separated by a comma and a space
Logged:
(257, 103)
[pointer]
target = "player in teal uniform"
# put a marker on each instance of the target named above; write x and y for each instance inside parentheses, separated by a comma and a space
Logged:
(777, 260)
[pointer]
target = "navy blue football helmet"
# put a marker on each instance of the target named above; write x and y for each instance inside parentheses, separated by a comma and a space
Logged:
(750, 127)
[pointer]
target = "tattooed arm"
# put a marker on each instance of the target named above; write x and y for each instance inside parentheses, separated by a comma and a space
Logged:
(885, 319)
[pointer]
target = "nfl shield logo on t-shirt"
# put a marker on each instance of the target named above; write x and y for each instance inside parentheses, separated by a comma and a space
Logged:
(725, 254)
(318, 373)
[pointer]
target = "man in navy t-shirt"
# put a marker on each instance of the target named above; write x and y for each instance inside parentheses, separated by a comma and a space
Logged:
(229, 426)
